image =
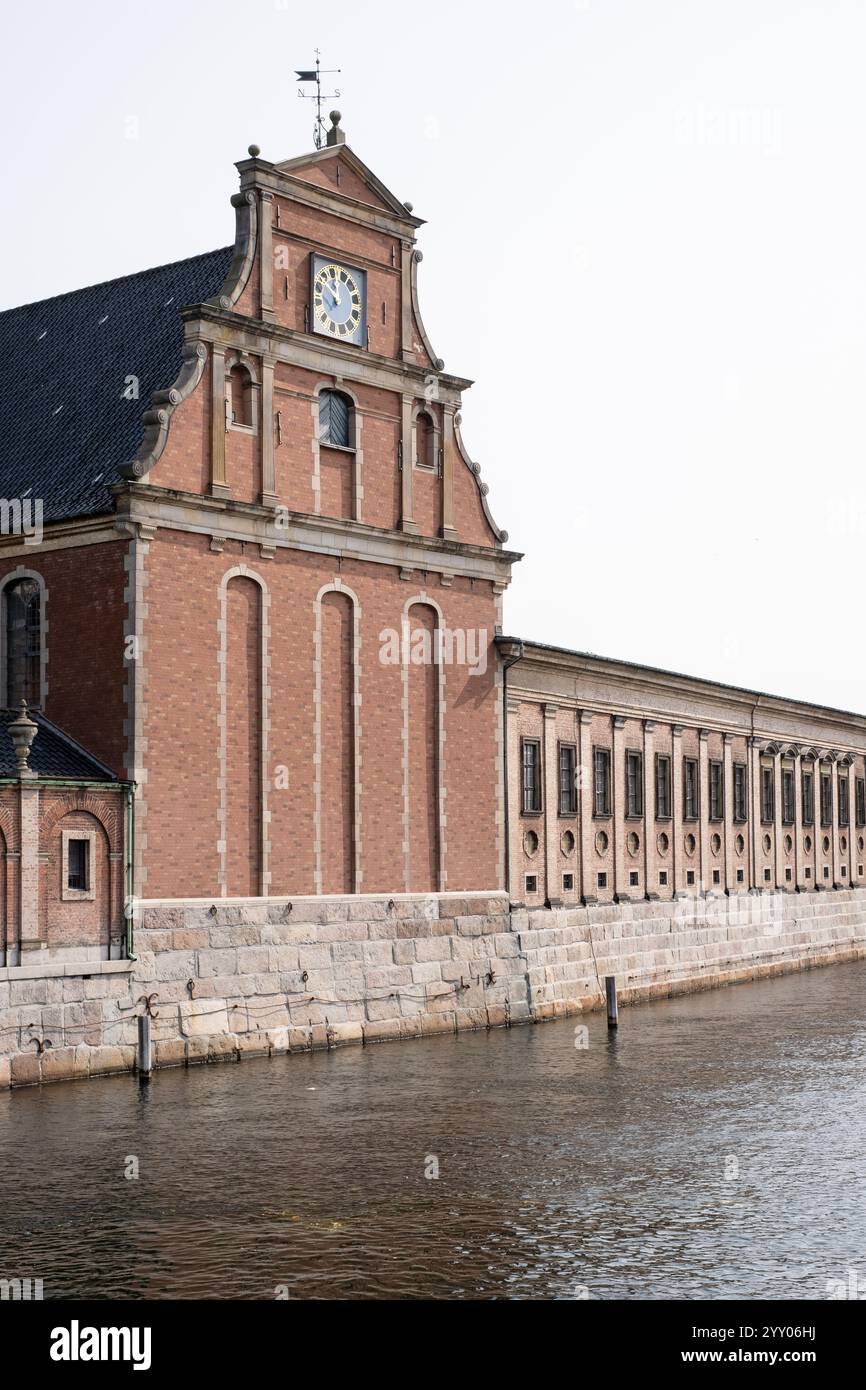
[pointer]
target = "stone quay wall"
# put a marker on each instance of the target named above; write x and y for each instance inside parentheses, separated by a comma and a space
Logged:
(239, 978)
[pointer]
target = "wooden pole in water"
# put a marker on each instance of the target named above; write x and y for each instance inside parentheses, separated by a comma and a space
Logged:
(610, 991)
(144, 1060)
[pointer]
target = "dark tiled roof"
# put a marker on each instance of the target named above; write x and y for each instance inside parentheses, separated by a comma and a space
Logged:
(65, 425)
(52, 754)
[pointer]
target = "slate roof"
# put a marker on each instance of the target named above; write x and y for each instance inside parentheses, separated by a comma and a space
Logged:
(52, 754)
(65, 426)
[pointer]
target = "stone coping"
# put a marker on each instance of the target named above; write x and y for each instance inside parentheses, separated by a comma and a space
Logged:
(322, 899)
(66, 968)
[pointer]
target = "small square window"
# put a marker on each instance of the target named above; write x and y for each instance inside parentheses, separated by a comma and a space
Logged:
(859, 870)
(767, 875)
(568, 883)
(602, 880)
(633, 879)
(717, 875)
(826, 871)
(741, 876)
(788, 875)
(844, 870)
(690, 876)
(663, 878)
(808, 872)
(532, 883)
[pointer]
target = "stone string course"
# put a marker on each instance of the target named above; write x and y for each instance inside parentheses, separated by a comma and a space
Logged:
(256, 978)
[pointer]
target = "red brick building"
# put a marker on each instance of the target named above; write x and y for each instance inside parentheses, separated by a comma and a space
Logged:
(259, 523)
(247, 564)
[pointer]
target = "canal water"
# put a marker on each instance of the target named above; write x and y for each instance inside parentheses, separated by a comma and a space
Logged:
(714, 1148)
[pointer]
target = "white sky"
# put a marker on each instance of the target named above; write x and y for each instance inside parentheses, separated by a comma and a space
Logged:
(646, 245)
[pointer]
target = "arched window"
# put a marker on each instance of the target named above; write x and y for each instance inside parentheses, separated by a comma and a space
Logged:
(23, 619)
(240, 396)
(425, 441)
(335, 419)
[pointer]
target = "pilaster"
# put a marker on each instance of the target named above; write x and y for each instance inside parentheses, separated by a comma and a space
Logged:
(587, 878)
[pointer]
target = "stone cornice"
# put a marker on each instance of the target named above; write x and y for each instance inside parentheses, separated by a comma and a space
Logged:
(63, 535)
(317, 354)
(143, 505)
(615, 687)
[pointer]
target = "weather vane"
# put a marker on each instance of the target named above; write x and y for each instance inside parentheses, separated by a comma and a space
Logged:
(310, 75)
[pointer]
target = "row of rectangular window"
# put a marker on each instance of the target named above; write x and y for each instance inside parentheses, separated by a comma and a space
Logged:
(634, 788)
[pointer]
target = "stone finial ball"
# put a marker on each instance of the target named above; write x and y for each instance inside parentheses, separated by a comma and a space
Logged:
(336, 117)
(408, 206)
(255, 151)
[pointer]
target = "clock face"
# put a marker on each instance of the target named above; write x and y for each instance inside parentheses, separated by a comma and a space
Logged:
(338, 301)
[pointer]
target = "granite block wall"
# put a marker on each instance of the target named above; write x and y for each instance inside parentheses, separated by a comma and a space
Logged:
(228, 980)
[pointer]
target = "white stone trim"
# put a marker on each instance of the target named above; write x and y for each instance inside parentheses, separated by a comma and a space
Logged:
(134, 694)
(22, 572)
(423, 597)
(337, 586)
(243, 572)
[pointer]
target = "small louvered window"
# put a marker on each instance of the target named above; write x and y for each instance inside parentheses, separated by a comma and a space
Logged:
(335, 419)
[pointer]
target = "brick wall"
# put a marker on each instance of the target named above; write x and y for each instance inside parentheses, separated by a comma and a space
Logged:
(85, 612)
(182, 721)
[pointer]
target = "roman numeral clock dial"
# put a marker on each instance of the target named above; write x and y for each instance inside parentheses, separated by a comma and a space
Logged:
(339, 294)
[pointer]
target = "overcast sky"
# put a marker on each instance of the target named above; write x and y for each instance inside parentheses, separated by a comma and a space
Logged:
(646, 240)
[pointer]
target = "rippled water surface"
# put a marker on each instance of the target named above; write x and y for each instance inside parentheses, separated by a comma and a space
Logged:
(560, 1168)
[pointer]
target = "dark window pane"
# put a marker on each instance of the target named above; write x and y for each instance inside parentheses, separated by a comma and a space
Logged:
(79, 864)
(567, 788)
(601, 774)
(23, 643)
(740, 808)
(663, 787)
(690, 774)
(634, 784)
(826, 800)
(531, 775)
(768, 794)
